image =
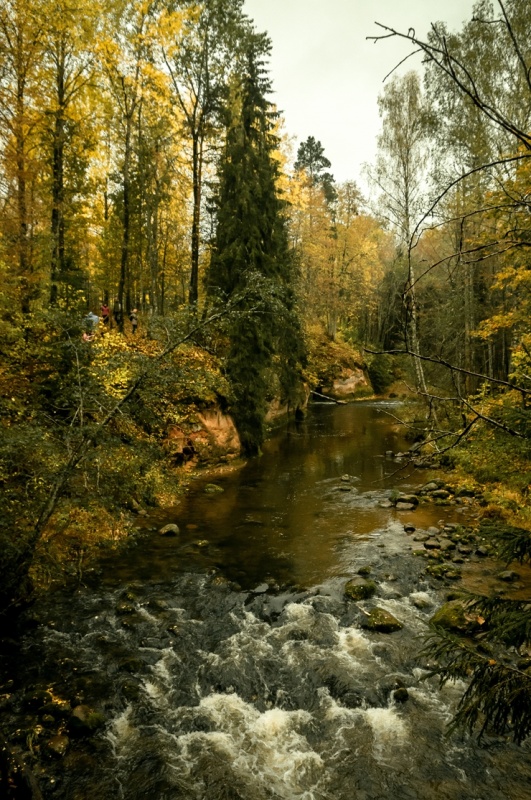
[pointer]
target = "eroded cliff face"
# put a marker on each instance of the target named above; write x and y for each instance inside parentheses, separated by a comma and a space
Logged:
(351, 384)
(220, 430)
(211, 436)
(338, 370)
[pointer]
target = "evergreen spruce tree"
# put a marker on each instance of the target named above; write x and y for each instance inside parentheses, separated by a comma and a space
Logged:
(251, 259)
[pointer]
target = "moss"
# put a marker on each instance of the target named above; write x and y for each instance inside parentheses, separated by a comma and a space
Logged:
(381, 621)
(360, 589)
(453, 616)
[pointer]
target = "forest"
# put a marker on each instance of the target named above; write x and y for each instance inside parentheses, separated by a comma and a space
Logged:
(147, 180)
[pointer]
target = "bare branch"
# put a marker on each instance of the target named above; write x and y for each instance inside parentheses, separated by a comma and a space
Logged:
(453, 367)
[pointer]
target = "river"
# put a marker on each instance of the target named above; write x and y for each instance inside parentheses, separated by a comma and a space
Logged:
(227, 663)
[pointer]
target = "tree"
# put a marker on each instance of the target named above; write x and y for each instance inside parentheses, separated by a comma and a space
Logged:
(312, 160)
(21, 48)
(200, 60)
(400, 176)
(125, 55)
(488, 74)
(250, 257)
(68, 68)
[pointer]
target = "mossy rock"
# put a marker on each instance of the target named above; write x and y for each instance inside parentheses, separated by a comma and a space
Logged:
(381, 621)
(360, 589)
(411, 499)
(169, 530)
(85, 721)
(453, 616)
(444, 571)
(401, 695)
(201, 543)
(213, 488)
(465, 491)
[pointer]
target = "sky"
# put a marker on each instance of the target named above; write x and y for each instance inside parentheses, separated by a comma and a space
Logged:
(327, 76)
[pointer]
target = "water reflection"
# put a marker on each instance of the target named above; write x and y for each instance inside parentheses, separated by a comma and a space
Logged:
(290, 516)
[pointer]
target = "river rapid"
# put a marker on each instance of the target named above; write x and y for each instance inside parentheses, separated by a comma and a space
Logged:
(227, 663)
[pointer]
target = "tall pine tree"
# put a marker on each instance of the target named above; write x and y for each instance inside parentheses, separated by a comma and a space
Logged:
(251, 258)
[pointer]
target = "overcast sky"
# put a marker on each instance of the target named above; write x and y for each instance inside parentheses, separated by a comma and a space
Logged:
(327, 77)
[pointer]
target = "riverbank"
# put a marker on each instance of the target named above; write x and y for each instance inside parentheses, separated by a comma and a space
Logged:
(177, 427)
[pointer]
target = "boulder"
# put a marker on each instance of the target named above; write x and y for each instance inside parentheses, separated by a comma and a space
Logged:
(408, 498)
(360, 588)
(409, 528)
(508, 575)
(400, 506)
(170, 530)
(213, 488)
(455, 617)
(432, 544)
(381, 621)
(447, 544)
(385, 504)
(401, 695)
(84, 721)
(464, 491)
(421, 600)
(440, 494)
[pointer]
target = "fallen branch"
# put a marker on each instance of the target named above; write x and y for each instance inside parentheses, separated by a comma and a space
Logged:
(331, 399)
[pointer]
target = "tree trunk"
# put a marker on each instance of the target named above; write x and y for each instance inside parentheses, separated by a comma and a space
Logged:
(58, 223)
(123, 283)
(197, 168)
(22, 211)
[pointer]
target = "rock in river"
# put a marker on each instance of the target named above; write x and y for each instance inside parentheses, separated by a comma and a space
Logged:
(381, 621)
(58, 745)
(412, 499)
(213, 488)
(85, 720)
(360, 589)
(454, 616)
(170, 530)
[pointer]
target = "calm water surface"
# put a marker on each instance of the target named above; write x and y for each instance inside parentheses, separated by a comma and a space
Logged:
(288, 517)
